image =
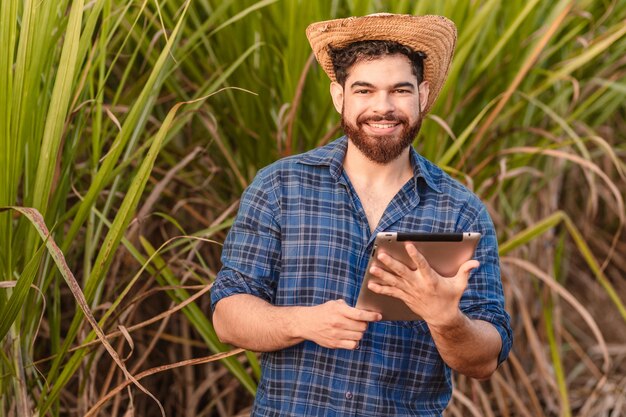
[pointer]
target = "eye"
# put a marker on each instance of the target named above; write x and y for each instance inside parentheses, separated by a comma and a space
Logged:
(402, 91)
(361, 91)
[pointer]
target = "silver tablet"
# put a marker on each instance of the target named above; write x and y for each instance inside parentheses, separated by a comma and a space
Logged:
(445, 253)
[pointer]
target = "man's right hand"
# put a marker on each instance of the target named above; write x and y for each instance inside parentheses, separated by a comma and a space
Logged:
(334, 324)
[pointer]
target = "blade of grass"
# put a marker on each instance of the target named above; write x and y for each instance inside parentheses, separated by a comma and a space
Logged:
(599, 45)
(541, 44)
(458, 143)
(112, 240)
(197, 317)
(557, 359)
(552, 221)
(506, 37)
(163, 368)
(130, 128)
(15, 304)
(38, 222)
(57, 114)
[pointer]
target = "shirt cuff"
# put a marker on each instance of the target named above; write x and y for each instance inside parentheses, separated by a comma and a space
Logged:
(230, 282)
(501, 324)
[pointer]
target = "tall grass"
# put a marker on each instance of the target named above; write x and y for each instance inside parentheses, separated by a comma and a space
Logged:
(133, 127)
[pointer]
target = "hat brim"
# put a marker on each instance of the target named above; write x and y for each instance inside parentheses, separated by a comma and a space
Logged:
(433, 35)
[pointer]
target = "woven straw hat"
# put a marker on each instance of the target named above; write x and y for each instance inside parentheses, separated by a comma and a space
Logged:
(433, 35)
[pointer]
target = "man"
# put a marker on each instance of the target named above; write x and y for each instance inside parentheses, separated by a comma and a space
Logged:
(295, 257)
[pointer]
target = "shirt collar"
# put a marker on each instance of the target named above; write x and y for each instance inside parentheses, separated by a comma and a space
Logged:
(333, 154)
(423, 168)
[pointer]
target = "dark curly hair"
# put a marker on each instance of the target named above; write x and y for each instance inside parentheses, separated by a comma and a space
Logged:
(344, 58)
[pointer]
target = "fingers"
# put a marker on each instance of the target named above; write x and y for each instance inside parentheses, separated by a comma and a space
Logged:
(346, 344)
(338, 338)
(386, 290)
(394, 272)
(341, 326)
(393, 264)
(420, 262)
(358, 315)
(386, 279)
(350, 336)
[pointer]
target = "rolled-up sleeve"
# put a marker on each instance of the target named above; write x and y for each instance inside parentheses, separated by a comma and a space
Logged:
(251, 253)
(484, 298)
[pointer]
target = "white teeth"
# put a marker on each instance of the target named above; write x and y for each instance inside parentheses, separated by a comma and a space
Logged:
(382, 126)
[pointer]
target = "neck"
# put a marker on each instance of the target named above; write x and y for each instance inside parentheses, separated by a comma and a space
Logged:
(362, 169)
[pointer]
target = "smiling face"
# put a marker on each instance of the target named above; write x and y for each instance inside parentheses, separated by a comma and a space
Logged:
(380, 106)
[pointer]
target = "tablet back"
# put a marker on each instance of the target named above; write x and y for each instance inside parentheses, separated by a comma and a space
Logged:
(445, 253)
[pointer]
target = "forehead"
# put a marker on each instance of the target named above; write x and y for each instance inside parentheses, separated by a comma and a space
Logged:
(384, 70)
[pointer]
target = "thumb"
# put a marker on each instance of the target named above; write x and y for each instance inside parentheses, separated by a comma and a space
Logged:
(467, 267)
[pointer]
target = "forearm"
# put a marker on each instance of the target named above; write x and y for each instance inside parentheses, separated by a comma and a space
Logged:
(251, 323)
(468, 346)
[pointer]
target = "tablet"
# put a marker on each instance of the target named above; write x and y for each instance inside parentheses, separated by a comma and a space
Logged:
(445, 253)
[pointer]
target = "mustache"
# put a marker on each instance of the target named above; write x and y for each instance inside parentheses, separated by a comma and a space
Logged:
(387, 117)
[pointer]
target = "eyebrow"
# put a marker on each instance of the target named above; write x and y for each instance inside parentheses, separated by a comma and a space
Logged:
(404, 84)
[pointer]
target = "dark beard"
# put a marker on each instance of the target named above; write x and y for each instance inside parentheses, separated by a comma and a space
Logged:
(381, 149)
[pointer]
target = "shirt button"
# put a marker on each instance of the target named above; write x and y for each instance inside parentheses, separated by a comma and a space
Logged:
(349, 395)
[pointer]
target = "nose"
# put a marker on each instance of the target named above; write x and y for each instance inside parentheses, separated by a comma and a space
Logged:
(383, 103)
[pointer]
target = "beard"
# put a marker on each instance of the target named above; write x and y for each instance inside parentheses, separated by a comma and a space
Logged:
(385, 148)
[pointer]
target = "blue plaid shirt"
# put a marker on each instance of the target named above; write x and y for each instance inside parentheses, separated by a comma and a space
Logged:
(301, 238)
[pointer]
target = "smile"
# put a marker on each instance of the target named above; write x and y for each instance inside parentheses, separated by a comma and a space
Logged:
(383, 125)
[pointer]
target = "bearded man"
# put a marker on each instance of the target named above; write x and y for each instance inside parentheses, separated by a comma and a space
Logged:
(295, 257)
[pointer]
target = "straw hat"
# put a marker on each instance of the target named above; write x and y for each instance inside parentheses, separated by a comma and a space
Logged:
(433, 35)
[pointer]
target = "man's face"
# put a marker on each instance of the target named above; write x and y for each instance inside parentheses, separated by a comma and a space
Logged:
(380, 106)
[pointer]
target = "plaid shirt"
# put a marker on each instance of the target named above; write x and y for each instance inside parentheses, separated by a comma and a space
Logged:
(301, 238)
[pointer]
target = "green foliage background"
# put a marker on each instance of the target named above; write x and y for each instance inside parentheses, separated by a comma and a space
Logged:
(133, 126)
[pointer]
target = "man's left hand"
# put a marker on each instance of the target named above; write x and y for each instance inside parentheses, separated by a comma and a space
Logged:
(434, 297)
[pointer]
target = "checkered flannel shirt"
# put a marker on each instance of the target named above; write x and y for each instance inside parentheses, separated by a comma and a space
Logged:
(302, 238)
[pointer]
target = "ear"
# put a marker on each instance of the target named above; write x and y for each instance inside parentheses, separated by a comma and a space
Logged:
(336, 92)
(424, 90)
